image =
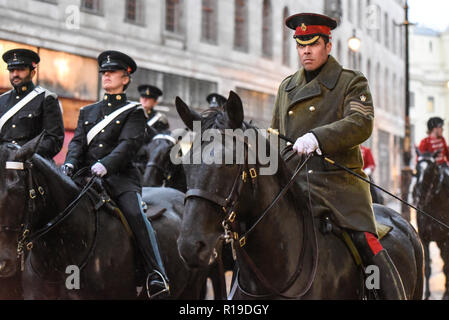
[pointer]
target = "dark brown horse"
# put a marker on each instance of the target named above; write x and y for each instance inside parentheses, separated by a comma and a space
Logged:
(160, 170)
(33, 192)
(281, 254)
(431, 194)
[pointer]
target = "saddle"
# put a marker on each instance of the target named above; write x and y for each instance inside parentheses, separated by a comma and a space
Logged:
(101, 199)
(327, 226)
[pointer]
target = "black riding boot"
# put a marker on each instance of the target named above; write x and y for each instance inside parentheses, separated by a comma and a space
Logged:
(157, 283)
(372, 253)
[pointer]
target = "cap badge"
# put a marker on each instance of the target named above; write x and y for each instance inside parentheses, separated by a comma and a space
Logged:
(108, 59)
(147, 92)
(303, 27)
(15, 57)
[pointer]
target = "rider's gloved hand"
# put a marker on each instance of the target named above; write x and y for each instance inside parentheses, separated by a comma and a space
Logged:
(99, 170)
(368, 171)
(307, 144)
(67, 169)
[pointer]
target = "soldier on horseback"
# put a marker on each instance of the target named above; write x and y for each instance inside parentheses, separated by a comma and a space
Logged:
(436, 144)
(106, 139)
(27, 110)
(329, 110)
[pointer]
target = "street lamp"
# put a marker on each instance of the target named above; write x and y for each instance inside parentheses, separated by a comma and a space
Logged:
(354, 44)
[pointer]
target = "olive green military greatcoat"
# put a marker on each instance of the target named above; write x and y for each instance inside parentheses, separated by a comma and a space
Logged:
(337, 108)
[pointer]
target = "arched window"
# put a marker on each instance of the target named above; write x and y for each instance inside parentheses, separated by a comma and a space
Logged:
(241, 25)
(209, 21)
(286, 40)
(267, 29)
(173, 15)
(339, 56)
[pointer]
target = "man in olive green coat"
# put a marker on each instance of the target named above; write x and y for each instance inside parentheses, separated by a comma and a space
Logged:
(329, 110)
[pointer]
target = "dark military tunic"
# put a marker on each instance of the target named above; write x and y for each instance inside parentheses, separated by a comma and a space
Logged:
(337, 107)
(115, 146)
(41, 113)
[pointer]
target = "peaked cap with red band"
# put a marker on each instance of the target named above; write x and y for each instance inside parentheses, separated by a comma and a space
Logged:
(310, 26)
(115, 60)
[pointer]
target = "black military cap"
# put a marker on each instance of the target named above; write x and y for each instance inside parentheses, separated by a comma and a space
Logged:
(435, 122)
(216, 100)
(19, 58)
(149, 91)
(114, 60)
(310, 26)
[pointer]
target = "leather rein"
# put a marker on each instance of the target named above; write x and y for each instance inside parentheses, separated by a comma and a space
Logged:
(232, 228)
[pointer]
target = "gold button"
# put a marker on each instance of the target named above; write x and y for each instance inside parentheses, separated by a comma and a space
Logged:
(118, 97)
(312, 109)
(290, 113)
(101, 146)
(30, 115)
(105, 97)
(86, 123)
(13, 125)
(102, 131)
(310, 171)
(24, 88)
(118, 122)
(17, 97)
(109, 104)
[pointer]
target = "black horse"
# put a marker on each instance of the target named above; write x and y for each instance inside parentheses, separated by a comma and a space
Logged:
(160, 170)
(280, 254)
(90, 245)
(431, 194)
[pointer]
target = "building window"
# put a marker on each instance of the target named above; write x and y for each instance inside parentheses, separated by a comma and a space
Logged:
(359, 13)
(379, 29)
(339, 56)
(91, 6)
(267, 30)
(387, 31)
(241, 25)
(209, 21)
(430, 104)
(286, 40)
(412, 99)
(386, 90)
(173, 15)
(350, 11)
(430, 46)
(134, 11)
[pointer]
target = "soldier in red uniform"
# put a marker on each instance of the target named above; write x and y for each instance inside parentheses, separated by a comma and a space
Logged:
(368, 167)
(435, 142)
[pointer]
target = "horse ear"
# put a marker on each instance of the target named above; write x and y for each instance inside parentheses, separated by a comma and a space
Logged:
(234, 110)
(29, 148)
(418, 153)
(187, 115)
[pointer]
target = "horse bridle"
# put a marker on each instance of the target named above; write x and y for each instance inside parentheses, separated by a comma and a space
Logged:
(232, 228)
(27, 237)
(431, 185)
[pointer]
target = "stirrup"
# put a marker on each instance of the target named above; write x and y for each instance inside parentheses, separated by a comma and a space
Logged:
(166, 285)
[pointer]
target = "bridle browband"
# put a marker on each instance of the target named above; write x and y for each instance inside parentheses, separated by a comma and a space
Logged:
(232, 228)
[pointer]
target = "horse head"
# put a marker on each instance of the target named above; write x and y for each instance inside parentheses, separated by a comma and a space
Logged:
(13, 200)
(214, 185)
(427, 177)
(159, 167)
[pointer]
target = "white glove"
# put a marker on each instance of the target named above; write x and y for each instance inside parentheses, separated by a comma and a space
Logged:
(368, 171)
(98, 169)
(307, 144)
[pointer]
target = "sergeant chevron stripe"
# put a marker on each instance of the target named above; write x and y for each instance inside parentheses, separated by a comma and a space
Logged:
(361, 108)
